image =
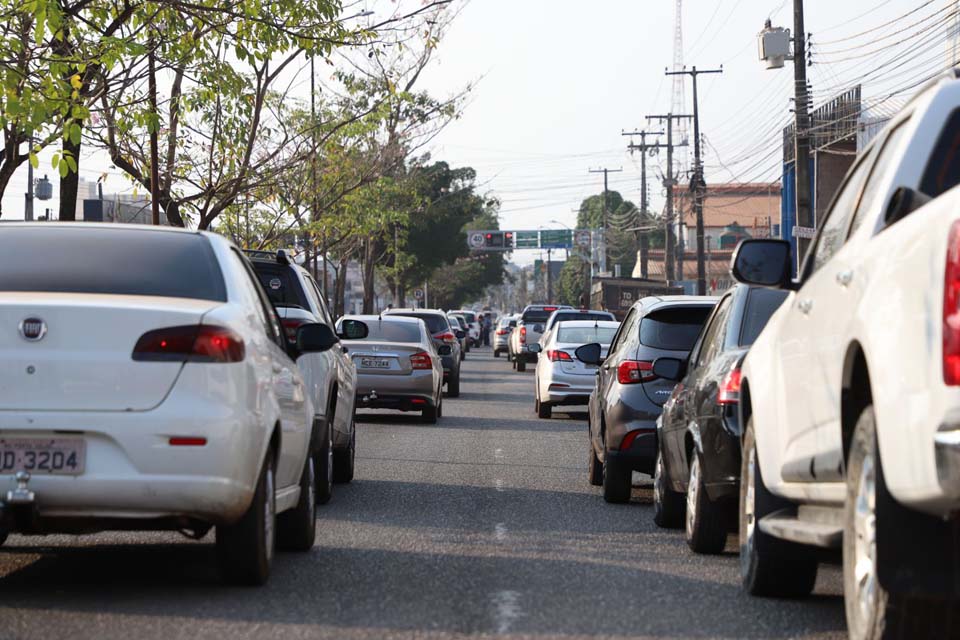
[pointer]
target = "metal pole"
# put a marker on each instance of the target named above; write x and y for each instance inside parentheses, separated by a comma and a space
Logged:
(549, 278)
(801, 131)
(28, 206)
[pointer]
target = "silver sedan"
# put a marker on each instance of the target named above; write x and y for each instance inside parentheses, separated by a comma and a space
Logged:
(398, 366)
(560, 378)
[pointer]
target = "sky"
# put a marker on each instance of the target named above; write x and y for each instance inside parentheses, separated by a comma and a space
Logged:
(557, 81)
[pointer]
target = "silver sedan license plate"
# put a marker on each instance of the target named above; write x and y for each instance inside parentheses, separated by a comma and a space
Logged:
(60, 456)
(374, 363)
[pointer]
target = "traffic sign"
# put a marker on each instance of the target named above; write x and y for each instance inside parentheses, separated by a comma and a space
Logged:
(804, 232)
(418, 294)
(582, 238)
(476, 239)
(556, 239)
(527, 239)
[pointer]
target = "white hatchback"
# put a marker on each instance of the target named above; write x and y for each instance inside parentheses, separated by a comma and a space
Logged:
(147, 385)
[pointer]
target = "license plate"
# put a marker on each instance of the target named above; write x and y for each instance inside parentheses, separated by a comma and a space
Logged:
(59, 456)
(374, 363)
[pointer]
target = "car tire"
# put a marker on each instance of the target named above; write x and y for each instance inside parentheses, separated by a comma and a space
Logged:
(453, 386)
(594, 467)
(344, 460)
(617, 483)
(668, 505)
(521, 365)
(544, 410)
(245, 548)
(768, 566)
(706, 527)
(429, 415)
(297, 528)
(496, 353)
(323, 464)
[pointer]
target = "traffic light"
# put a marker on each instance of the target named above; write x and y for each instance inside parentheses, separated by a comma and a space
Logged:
(508, 239)
(494, 240)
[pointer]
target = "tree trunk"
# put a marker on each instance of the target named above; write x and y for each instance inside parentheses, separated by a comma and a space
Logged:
(402, 295)
(369, 270)
(340, 289)
(70, 183)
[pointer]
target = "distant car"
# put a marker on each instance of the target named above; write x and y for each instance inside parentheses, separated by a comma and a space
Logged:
(628, 397)
(561, 379)
(473, 324)
(699, 431)
(148, 385)
(528, 331)
(564, 315)
(443, 334)
(460, 330)
(398, 365)
(501, 336)
(330, 375)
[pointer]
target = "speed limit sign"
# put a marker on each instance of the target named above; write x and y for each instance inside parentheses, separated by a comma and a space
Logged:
(582, 238)
(418, 294)
(476, 240)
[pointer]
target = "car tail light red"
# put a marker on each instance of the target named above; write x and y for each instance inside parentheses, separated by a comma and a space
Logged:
(634, 371)
(951, 308)
(729, 392)
(421, 360)
(446, 337)
(629, 438)
(193, 343)
(502, 332)
(187, 442)
(290, 326)
(556, 355)
(523, 334)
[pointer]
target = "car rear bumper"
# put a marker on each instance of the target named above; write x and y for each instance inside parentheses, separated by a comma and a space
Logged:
(396, 401)
(416, 383)
(560, 389)
(640, 455)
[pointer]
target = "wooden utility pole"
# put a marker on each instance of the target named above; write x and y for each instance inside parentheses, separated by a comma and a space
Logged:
(154, 152)
(698, 185)
(669, 182)
(603, 227)
(801, 132)
(643, 147)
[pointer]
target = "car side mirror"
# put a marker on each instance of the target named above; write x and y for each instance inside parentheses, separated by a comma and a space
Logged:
(315, 337)
(534, 348)
(670, 368)
(904, 202)
(589, 353)
(538, 328)
(445, 350)
(353, 330)
(764, 263)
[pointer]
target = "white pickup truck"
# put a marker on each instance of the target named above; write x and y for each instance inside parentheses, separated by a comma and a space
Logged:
(851, 395)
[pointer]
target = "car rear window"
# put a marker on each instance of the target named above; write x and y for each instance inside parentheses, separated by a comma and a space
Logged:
(761, 303)
(675, 328)
(470, 316)
(507, 323)
(435, 323)
(582, 315)
(386, 330)
(119, 261)
(586, 335)
(536, 315)
(281, 284)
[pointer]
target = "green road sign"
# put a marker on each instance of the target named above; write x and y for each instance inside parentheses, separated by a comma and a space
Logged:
(526, 240)
(556, 238)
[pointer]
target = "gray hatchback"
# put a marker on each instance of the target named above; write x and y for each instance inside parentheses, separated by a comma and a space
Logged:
(628, 398)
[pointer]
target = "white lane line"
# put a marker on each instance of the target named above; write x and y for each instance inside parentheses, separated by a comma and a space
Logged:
(499, 485)
(507, 609)
(500, 531)
(498, 453)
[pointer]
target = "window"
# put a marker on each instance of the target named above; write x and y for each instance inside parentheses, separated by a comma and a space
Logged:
(586, 335)
(833, 232)
(871, 191)
(943, 169)
(435, 322)
(110, 261)
(627, 329)
(581, 315)
(761, 304)
(673, 328)
(712, 337)
(536, 316)
(386, 330)
(281, 284)
(271, 320)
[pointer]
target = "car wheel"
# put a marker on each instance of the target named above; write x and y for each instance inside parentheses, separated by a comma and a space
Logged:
(594, 466)
(440, 405)
(544, 410)
(245, 548)
(323, 464)
(496, 353)
(705, 525)
(521, 365)
(668, 504)
(429, 415)
(617, 482)
(453, 386)
(768, 566)
(297, 528)
(344, 460)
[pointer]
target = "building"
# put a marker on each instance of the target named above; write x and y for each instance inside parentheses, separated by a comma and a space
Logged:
(731, 212)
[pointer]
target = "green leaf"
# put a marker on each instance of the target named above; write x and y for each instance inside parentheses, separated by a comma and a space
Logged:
(55, 161)
(64, 168)
(75, 134)
(34, 160)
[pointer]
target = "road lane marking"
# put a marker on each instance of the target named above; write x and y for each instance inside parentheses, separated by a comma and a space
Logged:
(500, 531)
(506, 609)
(499, 485)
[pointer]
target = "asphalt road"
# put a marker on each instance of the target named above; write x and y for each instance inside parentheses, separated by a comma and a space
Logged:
(482, 525)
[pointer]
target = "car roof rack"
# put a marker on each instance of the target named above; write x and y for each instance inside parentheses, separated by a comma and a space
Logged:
(280, 256)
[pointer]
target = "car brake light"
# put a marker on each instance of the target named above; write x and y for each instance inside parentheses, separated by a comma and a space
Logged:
(634, 371)
(502, 332)
(192, 343)
(549, 308)
(446, 337)
(523, 334)
(556, 355)
(421, 360)
(729, 392)
(290, 326)
(951, 308)
(187, 442)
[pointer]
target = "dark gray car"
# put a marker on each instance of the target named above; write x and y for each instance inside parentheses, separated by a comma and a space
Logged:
(628, 398)
(443, 334)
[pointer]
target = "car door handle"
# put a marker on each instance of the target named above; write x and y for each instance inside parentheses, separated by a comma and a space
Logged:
(805, 306)
(844, 278)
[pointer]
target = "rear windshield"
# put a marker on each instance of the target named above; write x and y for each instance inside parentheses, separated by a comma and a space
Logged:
(507, 323)
(454, 322)
(435, 323)
(582, 315)
(536, 315)
(281, 284)
(470, 316)
(675, 328)
(586, 335)
(386, 330)
(112, 261)
(761, 303)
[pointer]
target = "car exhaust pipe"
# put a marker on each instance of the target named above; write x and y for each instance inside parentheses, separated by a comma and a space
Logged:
(21, 495)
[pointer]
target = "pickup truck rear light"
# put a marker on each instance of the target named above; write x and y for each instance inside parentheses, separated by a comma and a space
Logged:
(192, 343)
(290, 326)
(634, 371)
(446, 337)
(502, 332)
(421, 360)
(523, 335)
(729, 391)
(556, 355)
(951, 308)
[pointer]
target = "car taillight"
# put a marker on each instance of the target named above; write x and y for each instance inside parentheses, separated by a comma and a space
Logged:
(523, 334)
(193, 343)
(290, 326)
(446, 337)
(421, 360)
(634, 371)
(951, 308)
(556, 355)
(729, 392)
(502, 332)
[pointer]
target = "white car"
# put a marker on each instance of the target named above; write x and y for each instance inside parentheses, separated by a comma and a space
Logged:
(473, 325)
(851, 395)
(560, 378)
(147, 385)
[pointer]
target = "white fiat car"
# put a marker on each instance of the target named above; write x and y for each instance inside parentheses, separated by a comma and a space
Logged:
(147, 385)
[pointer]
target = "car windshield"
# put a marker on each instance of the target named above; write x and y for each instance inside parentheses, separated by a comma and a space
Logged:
(386, 330)
(586, 335)
(674, 328)
(435, 322)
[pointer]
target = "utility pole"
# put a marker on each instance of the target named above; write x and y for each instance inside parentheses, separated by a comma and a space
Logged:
(549, 276)
(28, 207)
(603, 227)
(154, 143)
(669, 183)
(801, 131)
(642, 148)
(699, 184)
